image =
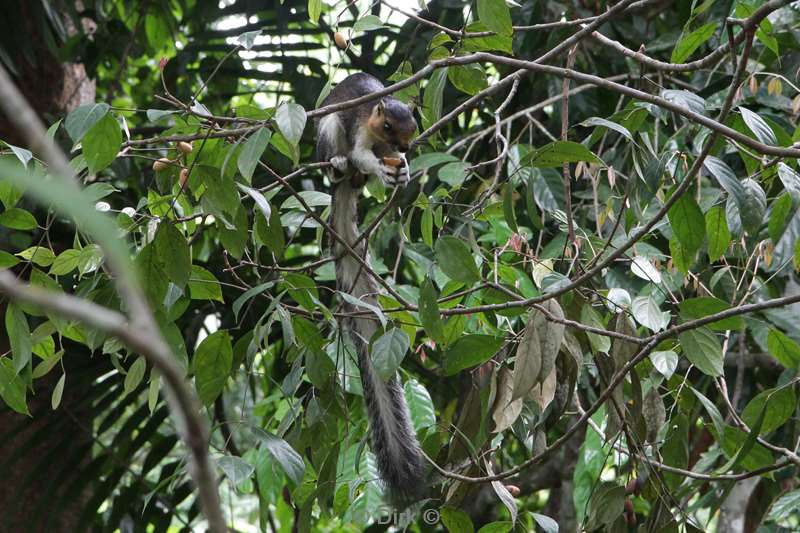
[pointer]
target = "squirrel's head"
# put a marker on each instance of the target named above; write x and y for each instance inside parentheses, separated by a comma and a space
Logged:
(392, 122)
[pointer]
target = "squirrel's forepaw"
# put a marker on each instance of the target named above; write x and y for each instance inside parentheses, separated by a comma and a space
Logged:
(394, 176)
(340, 163)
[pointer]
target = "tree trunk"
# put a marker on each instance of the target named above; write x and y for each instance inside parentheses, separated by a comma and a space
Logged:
(40, 456)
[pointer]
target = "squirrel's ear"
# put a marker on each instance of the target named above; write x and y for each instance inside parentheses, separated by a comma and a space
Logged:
(380, 106)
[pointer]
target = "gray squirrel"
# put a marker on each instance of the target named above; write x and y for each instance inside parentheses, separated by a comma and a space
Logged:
(370, 139)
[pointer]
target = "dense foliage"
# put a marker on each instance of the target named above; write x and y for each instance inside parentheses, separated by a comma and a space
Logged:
(591, 284)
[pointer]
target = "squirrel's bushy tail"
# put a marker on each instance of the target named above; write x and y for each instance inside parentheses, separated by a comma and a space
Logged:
(393, 439)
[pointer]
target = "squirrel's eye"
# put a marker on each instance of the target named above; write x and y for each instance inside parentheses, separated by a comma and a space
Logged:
(387, 126)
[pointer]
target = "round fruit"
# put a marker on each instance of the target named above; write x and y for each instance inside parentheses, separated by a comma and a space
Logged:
(161, 164)
(185, 147)
(340, 40)
(184, 177)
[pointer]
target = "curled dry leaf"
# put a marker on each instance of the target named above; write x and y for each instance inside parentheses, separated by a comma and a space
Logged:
(537, 351)
(654, 413)
(544, 392)
(529, 360)
(505, 411)
(551, 334)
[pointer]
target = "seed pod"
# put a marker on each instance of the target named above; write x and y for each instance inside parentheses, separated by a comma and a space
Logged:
(161, 164)
(630, 514)
(185, 147)
(184, 177)
(340, 40)
(513, 490)
(392, 161)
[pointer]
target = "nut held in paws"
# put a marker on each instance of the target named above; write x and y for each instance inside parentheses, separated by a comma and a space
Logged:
(392, 161)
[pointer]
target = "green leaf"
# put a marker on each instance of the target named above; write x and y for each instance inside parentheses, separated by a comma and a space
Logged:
(82, 119)
(247, 295)
(454, 173)
(590, 317)
(101, 144)
(302, 289)
(456, 520)
(546, 523)
(203, 285)
(591, 458)
(743, 449)
(152, 275)
(368, 23)
(38, 255)
(702, 348)
(17, 218)
(604, 123)
(692, 41)
(647, 312)
(236, 469)
(713, 412)
(784, 349)
(688, 224)
(173, 251)
(388, 352)
(212, 365)
(779, 404)
(429, 312)
(779, 217)
(430, 160)
(753, 206)
(135, 375)
(506, 526)
(785, 506)
(726, 178)
(355, 302)
(719, 237)
(433, 97)
(248, 39)
(66, 262)
(496, 16)
(271, 232)
(469, 351)
(7, 260)
(606, 504)
(280, 450)
(665, 361)
(12, 387)
(426, 226)
(314, 10)
(19, 336)
(259, 199)
(252, 151)
(420, 405)
(291, 119)
(758, 126)
(556, 153)
(470, 79)
(455, 260)
(700, 307)
(58, 391)
(22, 154)
(501, 43)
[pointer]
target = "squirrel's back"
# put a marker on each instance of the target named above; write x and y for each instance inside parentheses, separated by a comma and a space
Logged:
(332, 129)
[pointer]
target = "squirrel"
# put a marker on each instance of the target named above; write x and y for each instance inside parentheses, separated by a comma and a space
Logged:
(352, 141)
